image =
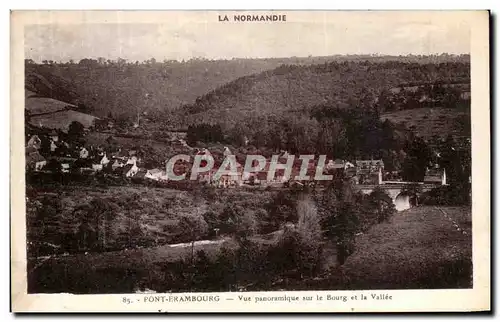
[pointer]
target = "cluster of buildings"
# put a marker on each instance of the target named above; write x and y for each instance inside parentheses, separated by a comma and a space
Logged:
(64, 157)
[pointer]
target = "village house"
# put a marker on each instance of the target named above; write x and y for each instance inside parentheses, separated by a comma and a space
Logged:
(117, 163)
(231, 179)
(65, 167)
(53, 146)
(132, 160)
(35, 161)
(338, 164)
(34, 142)
(54, 137)
(435, 176)
(370, 165)
(104, 160)
(369, 171)
(156, 175)
(130, 170)
(84, 153)
(97, 167)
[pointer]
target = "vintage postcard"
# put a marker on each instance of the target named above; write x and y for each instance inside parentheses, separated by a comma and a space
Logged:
(250, 161)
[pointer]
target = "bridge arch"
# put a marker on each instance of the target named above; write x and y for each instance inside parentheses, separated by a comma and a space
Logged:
(404, 201)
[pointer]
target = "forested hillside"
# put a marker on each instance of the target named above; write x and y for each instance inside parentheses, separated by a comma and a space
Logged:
(120, 88)
(292, 88)
(336, 107)
(331, 107)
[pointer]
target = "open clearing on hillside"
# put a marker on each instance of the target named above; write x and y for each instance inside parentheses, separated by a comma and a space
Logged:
(428, 122)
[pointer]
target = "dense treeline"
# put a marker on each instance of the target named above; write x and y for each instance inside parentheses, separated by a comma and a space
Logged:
(338, 133)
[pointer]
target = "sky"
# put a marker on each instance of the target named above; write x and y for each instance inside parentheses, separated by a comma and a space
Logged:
(62, 36)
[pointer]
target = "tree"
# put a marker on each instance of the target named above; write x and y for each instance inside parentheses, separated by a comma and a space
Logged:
(204, 133)
(346, 226)
(76, 130)
(342, 221)
(417, 160)
(121, 62)
(194, 227)
(328, 207)
(299, 248)
(308, 219)
(238, 221)
(282, 210)
(95, 222)
(413, 191)
(382, 203)
(87, 62)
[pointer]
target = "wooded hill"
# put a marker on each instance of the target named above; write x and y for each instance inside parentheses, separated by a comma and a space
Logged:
(292, 88)
(119, 89)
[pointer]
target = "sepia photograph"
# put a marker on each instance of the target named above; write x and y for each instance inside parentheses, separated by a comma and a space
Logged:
(191, 154)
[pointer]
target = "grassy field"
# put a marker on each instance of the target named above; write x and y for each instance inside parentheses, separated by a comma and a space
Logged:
(419, 248)
(110, 272)
(427, 122)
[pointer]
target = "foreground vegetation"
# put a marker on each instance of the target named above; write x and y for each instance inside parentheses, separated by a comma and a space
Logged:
(418, 248)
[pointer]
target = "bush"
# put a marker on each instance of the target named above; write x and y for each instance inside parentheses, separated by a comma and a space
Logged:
(295, 254)
(447, 196)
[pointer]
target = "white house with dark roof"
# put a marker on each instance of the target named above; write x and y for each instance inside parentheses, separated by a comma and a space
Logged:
(104, 160)
(35, 161)
(130, 170)
(156, 174)
(84, 153)
(35, 142)
(117, 163)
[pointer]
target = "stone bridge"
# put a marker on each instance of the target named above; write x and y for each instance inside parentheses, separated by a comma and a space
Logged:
(401, 200)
